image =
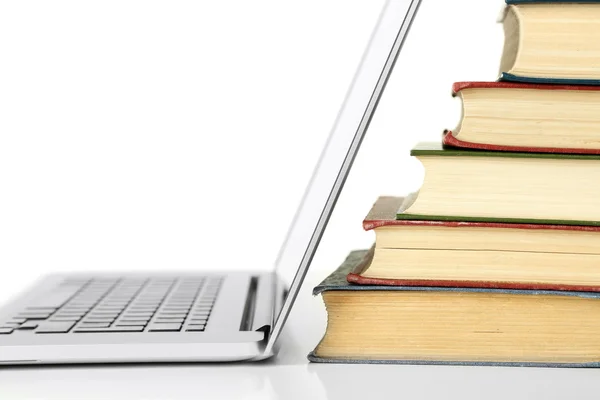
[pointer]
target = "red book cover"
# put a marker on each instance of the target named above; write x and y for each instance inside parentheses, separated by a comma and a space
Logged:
(383, 214)
(449, 139)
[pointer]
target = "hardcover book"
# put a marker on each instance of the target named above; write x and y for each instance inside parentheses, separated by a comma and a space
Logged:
(551, 42)
(456, 326)
(510, 187)
(502, 116)
(478, 254)
(509, 2)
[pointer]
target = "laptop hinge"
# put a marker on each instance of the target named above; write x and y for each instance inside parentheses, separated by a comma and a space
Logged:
(259, 309)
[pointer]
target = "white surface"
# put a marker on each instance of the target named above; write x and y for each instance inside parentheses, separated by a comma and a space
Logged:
(136, 134)
(290, 377)
(158, 134)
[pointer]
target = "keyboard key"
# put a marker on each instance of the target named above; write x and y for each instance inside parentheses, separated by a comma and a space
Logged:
(131, 323)
(134, 318)
(13, 322)
(127, 314)
(161, 320)
(173, 312)
(86, 324)
(145, 305)
(79, 307)
(109, 322)
(70, 310)
(101, 318)
(195, 328)
(167, 315)
(139, 312)
(41, 308)
(98, 321)
(118, 305)
(67, 313)
(65, 318)
(54, 327)
(157, 327)
(137, 316)
(129, 328)
(200, 313)
(29, 325)
(116, 329)
(8, 326)
(33, 315)
(104, 312)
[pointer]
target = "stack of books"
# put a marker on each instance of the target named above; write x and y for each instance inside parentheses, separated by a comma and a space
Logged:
(496, 260)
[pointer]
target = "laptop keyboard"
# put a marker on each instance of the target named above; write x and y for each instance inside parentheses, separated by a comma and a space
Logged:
(83, 306)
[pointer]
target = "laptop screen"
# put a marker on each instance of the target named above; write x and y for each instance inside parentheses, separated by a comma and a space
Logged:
(341, 148)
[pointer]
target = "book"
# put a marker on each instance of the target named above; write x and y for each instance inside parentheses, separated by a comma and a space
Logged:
(433, 325)
(478, 254)
(524, 117)
(488, 186)
(551, 42)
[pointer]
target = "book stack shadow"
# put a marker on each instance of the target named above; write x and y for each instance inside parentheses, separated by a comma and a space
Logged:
(496, 260)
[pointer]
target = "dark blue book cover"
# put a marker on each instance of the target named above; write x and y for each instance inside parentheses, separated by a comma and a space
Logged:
(506, 77)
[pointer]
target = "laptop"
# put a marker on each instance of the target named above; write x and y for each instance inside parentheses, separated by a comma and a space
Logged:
(203, 316)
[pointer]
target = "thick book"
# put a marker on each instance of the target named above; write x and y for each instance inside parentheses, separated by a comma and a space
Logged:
(503, 116)
(478, 254)
(509, 2)
(510, 187)
(551, 42)
(456, 326)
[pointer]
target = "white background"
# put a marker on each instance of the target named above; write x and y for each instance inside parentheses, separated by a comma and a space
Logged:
(181, 134)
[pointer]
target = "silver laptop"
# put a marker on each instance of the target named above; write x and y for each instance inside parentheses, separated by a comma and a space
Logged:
(196, 317)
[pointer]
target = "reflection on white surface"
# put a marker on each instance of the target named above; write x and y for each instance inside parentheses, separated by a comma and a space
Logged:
(465, 383)
(290, 377)
(285, 377)
(439, 382)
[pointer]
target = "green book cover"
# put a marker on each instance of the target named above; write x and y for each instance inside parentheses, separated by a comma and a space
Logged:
(521, 221)
(437, 149)
(431, 149)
